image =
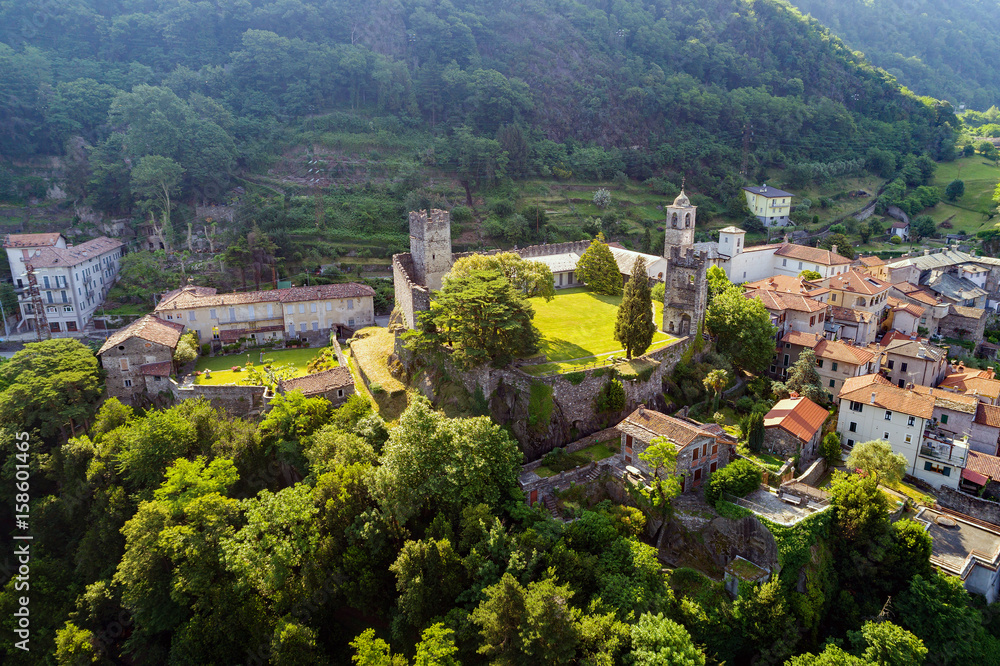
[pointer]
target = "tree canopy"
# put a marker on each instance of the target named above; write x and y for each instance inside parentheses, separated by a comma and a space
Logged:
(743, 329)
(598, 269)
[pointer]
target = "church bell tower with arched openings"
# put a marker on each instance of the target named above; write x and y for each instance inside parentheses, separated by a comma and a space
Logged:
(679, 227)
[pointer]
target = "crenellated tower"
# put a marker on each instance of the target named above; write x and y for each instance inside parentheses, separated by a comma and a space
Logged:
(430, 246)
(685, 295)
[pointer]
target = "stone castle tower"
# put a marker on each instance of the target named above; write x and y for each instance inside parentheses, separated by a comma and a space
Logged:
(679, 227)
(685, 295)
(430, 246)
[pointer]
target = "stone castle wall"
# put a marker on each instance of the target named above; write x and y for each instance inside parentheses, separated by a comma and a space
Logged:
(411, 297)
(237, 400)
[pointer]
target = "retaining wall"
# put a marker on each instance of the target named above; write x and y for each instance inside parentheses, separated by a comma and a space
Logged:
(969, 505)
(237, 400)
(813, 474)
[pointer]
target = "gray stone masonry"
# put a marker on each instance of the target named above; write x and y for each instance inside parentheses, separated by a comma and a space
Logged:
(978, 508)
(122, 364)
(685, 295)
(430, 246)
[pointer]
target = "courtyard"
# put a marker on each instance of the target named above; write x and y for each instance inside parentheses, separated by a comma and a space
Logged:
(221, 366)
(578, 328)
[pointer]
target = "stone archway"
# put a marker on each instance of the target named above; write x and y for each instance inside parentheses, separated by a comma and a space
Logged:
(685, 327)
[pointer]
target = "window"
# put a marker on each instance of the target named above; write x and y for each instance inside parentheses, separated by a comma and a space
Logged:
(885, 436)
(832, 382)
(350, 303)
(784, 262)
(890, 364)
(937, 469)
(902, 368)
(697, 475)
(329, 306)
(694, 454)
(123, 364)
(850, 443)
(45, 280)
(819, 363)
(340, 393)
(156, 378)
(71, 326)
(312, 307)
(715, 449)
(211, 314)
(834, 367)
(833, 297)
(812, 320)
(232, 314)
(192, 316)
(944, 419)
(901, 383)
(911, 421)
(302, 327)
(853, 427)
(350, 322)
(128, 383)
(856, 406)
(786, 361)
(712, 468)
(909, 438)
(68, 308)
(302, 308)
(270, 309)
(888, 415)
(315, 325)
(800, 265)
(250, 312)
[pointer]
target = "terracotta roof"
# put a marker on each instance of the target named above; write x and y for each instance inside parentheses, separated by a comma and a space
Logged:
(967, 312)
(988, 415)
(989, 388)
(850, 314)
(899, 224)
(856, 282)
(199, 297)
(811, 254)
(916, 293)
(319, 382)
(787, 284)
(875, 392)
(149, 328)
(647, 424)
(161, 369)
(975, 477)
(956, 402)
(758, 248)
(800, 416)
(893, 335)
(833, 350)
(910, 309)
(871, 262)
(31, 240)
(915, 349)
(984, 464)
(775, 300)
(53, 257)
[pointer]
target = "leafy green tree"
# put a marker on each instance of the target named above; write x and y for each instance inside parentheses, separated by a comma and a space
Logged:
(294, 644)
(865, 232)
(936, 609)
(715, 381)
(143, 277)
(830, 449)
(436, 647)
(738, 478)
(752, 426)
(294, 416)
(843, 243)
(49, 387)
(923, 226)
(954, 190)
(634, 327)
(657, 497)
(878, 461)
(372, 651)
(598, 269)
(532, 278)
(155, 180)
(830, 656)
(887, 644)
(764, 619)
(434, 462)
(483, 317)
(429, 577)
(187, 348)
(659, 641)
(810, 275)
(804, 378)
(602, 198)
(718, 281)
(743, 329)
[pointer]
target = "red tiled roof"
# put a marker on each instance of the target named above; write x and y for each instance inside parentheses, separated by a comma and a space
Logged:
(973, 381)
(776, 300)
(811, 254)
(199, 297)
(31, 240)
(871, 391)
(849, 314)
(911, 309)
(149, 328)
(53, 257)
(871, 262)
(857, 283)
(787, 284)
(975, 477)
(647, 424)
(319, 382)
(916, 293)
(988, 415)
(800, 416)
(834, 350)
(984, 464)
(161, 369)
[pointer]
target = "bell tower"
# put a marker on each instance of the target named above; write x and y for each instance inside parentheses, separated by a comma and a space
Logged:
(679, 227)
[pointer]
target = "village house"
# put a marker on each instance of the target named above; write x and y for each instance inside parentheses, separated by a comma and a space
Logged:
(857, 326)
(966, 548)
(336, 385)
(858, 291)
(981, 475)
(139, 358)
(904, 317)
(984, 436)
(791, 312)
(71, 280)
(836, 361)
(935, 309)
(771, 205)
(792, 285)
(873, 266)
(914, 362)
(954, 413)
(794, 427)
(307, 312)
(900, 228)
(972, 381)
(700, 450)
(963, 323)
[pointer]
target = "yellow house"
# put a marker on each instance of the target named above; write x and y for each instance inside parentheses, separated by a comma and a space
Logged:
(769, 204)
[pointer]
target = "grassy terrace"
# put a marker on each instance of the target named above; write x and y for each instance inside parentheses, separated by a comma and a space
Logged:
(220, 365)
(966, 214)
(578, 328)
(592, 453)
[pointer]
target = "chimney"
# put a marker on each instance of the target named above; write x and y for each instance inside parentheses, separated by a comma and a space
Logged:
(833, 249)
(642, 410)
(926, 252)
(873, 397)
(763, 187)
(794, 395)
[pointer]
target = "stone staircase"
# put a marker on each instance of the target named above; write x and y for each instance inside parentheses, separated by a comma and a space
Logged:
(550, 504)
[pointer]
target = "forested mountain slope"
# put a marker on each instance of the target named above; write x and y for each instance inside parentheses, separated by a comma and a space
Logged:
(945, 49)
(668, 86)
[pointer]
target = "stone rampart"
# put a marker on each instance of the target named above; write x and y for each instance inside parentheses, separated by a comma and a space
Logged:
(237, 400)
(969, 505)
(411, 297)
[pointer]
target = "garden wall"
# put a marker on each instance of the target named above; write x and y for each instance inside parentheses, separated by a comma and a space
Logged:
(563, 412)
(814, 473)
(969, 505)
(237, 400)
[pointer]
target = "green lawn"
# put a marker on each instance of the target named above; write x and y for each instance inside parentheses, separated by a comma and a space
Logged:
(592, 453)
(220, 365)
(966, 214)
(577, 328)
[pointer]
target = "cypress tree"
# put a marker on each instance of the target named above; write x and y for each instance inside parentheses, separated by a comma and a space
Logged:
(599, 270)
(634, 327)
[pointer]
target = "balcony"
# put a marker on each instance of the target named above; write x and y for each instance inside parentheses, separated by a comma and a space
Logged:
(941, 447)
(251, 324)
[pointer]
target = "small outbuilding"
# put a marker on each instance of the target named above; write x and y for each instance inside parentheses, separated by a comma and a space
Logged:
(336, 385)
(794, 426)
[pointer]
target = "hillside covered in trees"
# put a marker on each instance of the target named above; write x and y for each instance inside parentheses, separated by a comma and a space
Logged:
(944, 49)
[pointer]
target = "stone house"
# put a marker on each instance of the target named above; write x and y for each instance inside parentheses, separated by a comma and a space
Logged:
(794, 426)
(858, 326)
(904, 317)
(701, 449)
(336, 385)
(935, 308)
(914, 362)
(954, 413)
(963, 323)
(139, 358)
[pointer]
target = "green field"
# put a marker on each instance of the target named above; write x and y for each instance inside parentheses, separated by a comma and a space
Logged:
(577, 328)
(220, 365)
(968, 213)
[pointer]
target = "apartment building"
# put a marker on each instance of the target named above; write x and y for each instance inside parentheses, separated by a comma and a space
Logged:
(836, 361)
(72, 280)
(915, 362)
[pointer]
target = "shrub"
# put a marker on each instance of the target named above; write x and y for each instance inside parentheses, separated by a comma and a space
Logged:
(738, 478)
(657, 292)
(461, 214)
(376, 388)
(206, 349)
(830, 449)
(602, 198)
(236, 368)
(611, 397)
(744, 404)
(575, 378)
